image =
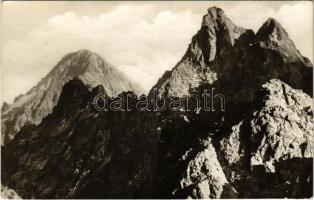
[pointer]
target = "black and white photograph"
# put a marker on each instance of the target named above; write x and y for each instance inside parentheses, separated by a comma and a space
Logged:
(156, 99)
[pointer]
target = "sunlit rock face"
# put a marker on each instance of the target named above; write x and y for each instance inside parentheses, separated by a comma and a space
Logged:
(278, 133)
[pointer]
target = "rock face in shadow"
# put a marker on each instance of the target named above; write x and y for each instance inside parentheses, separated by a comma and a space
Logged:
(39, 101)
(259, 146)
(78, 152)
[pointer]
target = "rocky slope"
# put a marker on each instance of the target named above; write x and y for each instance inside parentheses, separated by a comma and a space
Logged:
(237, 63)
(273, 144)
(39, 101)
(269, 153)
(260, 146)
(79, 152)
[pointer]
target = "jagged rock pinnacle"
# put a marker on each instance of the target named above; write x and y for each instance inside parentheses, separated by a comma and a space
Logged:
(217, 34)
(272, 35)
(73, 95)
(99, 89)
(216, 16)
(213, 13)
(4, 106)
(271, 29)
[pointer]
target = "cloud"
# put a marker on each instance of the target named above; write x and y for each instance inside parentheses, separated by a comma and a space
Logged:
(298, 21)
(140, 40)
(130, 37)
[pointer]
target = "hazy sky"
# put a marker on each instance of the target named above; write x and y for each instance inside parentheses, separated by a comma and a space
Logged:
(143, 39)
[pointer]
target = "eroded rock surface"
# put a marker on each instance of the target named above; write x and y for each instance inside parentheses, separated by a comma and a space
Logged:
(79, 152)
(280, 131)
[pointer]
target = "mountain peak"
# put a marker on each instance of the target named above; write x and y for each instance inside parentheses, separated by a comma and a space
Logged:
(271, 20)
(38, 102)
(217, 33)
(220, 49)
(80, 61)
(4, 106)
(215, 16)
(217, 36)
(272, 35)
(99, 89)
(271, 29)
(84, 51)
(215, 12)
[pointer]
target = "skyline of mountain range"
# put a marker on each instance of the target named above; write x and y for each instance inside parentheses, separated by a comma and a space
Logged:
(57, 145)
(143, 54)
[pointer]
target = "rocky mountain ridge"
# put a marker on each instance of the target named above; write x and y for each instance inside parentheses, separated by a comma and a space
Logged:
(225, 55)
(39, 101)
(260, 146)
(84, 148)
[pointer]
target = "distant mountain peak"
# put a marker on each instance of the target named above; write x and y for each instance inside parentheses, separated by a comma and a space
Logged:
(39, 101)
(84, 51)
(82, 60)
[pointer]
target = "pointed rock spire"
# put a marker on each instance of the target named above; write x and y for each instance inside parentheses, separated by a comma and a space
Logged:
(73, 95)
(213, 13)
(210, 45)
(99, 89)
(220, 49)
(272, 35)
(217, 34)
(4, 106)
(273, 30)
